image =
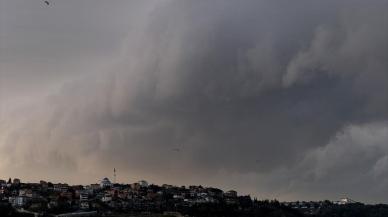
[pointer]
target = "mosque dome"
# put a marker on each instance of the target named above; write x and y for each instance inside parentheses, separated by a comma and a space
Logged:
(105, 182)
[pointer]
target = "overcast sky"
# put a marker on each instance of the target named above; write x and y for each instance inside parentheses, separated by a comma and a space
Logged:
(270, 98)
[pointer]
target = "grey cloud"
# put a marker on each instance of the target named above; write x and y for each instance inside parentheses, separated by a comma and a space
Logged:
(255, 90)
(353, 46)
(353, 160)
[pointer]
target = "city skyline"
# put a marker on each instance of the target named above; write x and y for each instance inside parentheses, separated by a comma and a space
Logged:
(135, 199)
(276, 99)
(107, 183)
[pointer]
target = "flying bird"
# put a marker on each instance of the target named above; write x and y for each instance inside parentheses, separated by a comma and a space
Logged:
(176, 149)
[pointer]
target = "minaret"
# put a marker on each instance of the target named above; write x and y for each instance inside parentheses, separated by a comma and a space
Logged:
(114, 175)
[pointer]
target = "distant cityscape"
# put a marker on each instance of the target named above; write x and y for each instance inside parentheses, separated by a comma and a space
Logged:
(137, 199)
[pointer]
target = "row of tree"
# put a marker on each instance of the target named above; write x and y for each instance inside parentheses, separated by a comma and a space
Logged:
(275, 209)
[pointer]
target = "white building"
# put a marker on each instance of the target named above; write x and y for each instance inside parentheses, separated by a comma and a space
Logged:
(19, 201)
(106, 198)
(83, 196)
(344, 201)
(84, 205)
(230, 193)
(143, 183)
(61, 187)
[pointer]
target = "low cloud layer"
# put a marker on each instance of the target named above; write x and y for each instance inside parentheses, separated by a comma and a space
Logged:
(285, 100)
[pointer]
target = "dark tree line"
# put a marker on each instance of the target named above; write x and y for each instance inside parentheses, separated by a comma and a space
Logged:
(275, 209)
(353, 210)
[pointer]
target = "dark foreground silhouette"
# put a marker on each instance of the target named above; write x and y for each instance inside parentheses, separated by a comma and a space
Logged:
(255, 209)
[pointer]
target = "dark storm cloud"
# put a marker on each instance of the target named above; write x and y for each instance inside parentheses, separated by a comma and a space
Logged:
(289, 97)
